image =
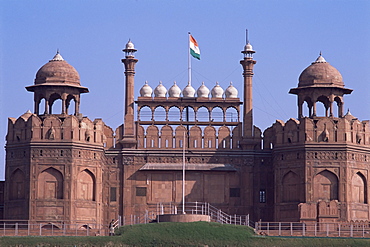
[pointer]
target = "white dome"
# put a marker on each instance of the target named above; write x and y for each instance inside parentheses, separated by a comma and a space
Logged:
(231, 91)
(174, 91)
(160, 90)
(217, 91)
(188, 91)
(203, 91)
(146, 90)
(248, 48)
(130, 45)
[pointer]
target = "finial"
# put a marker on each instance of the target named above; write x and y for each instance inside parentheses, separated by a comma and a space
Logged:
(320, 59)
(57, 57)
(248, 49)
(246, 36)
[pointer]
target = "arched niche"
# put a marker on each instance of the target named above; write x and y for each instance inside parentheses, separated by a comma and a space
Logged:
(86, 186)
(236, 137)
(196, 137)
(359, 188)
(325, 186)
(141, 137)
(17, 185)
(203, 114)
(232, 115)
(152, 137)
(50, 184)
(210, 137)
(224, 137)
(174, 114)
(291, 187)
(217, 114)
(160, 113)
(166, 137)
(180, 133)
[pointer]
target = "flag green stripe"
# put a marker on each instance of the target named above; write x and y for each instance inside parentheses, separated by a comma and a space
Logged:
(195, 55)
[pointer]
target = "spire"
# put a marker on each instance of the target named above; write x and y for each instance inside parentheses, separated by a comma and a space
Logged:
(57, 57)
(248, 49)
(320, 59)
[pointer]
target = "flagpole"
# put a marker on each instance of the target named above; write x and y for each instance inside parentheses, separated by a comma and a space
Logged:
(189, 60)
(183, 175)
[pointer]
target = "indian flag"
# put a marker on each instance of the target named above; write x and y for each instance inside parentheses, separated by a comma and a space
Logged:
(194, 48)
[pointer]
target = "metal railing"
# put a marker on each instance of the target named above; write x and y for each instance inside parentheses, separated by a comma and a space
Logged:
(25, 228)
(202, 208)
(62, 228)
(314, 229)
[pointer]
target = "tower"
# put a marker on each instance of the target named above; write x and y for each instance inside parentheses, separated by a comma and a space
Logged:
(128, 140)
(248, 64)
(55, 162)
(320, 162)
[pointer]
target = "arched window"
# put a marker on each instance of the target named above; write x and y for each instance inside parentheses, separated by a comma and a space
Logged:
(55, 104)
(188, 114)
(71, 105)
(174, 114)
(50, 184)
(325, 186)
(232, 115)
(202, 114)
(217, 115)
(145, 114)
(86, 186)
(17, 188)
(160, 114)
(41, 107)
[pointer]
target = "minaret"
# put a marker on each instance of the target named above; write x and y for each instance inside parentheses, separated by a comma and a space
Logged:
(129, 61)
(248, 64)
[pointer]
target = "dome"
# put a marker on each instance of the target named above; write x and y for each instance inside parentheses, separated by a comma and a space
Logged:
(320, 73)
(57, 71)
(203, 91)
(130, 45)
(248, 48)
(146, 90)
(231, 91)
(188, 91)
(174, 91)
(217, 91)
(160, 90)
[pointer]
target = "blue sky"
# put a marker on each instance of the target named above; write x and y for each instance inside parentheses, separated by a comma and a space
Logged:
(287, 37)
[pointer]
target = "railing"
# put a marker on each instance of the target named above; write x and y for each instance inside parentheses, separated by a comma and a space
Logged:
(314, 229)
(202, 208)
(58, 228)
(25, 228)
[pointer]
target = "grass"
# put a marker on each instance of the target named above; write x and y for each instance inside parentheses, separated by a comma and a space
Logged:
(180, 234)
